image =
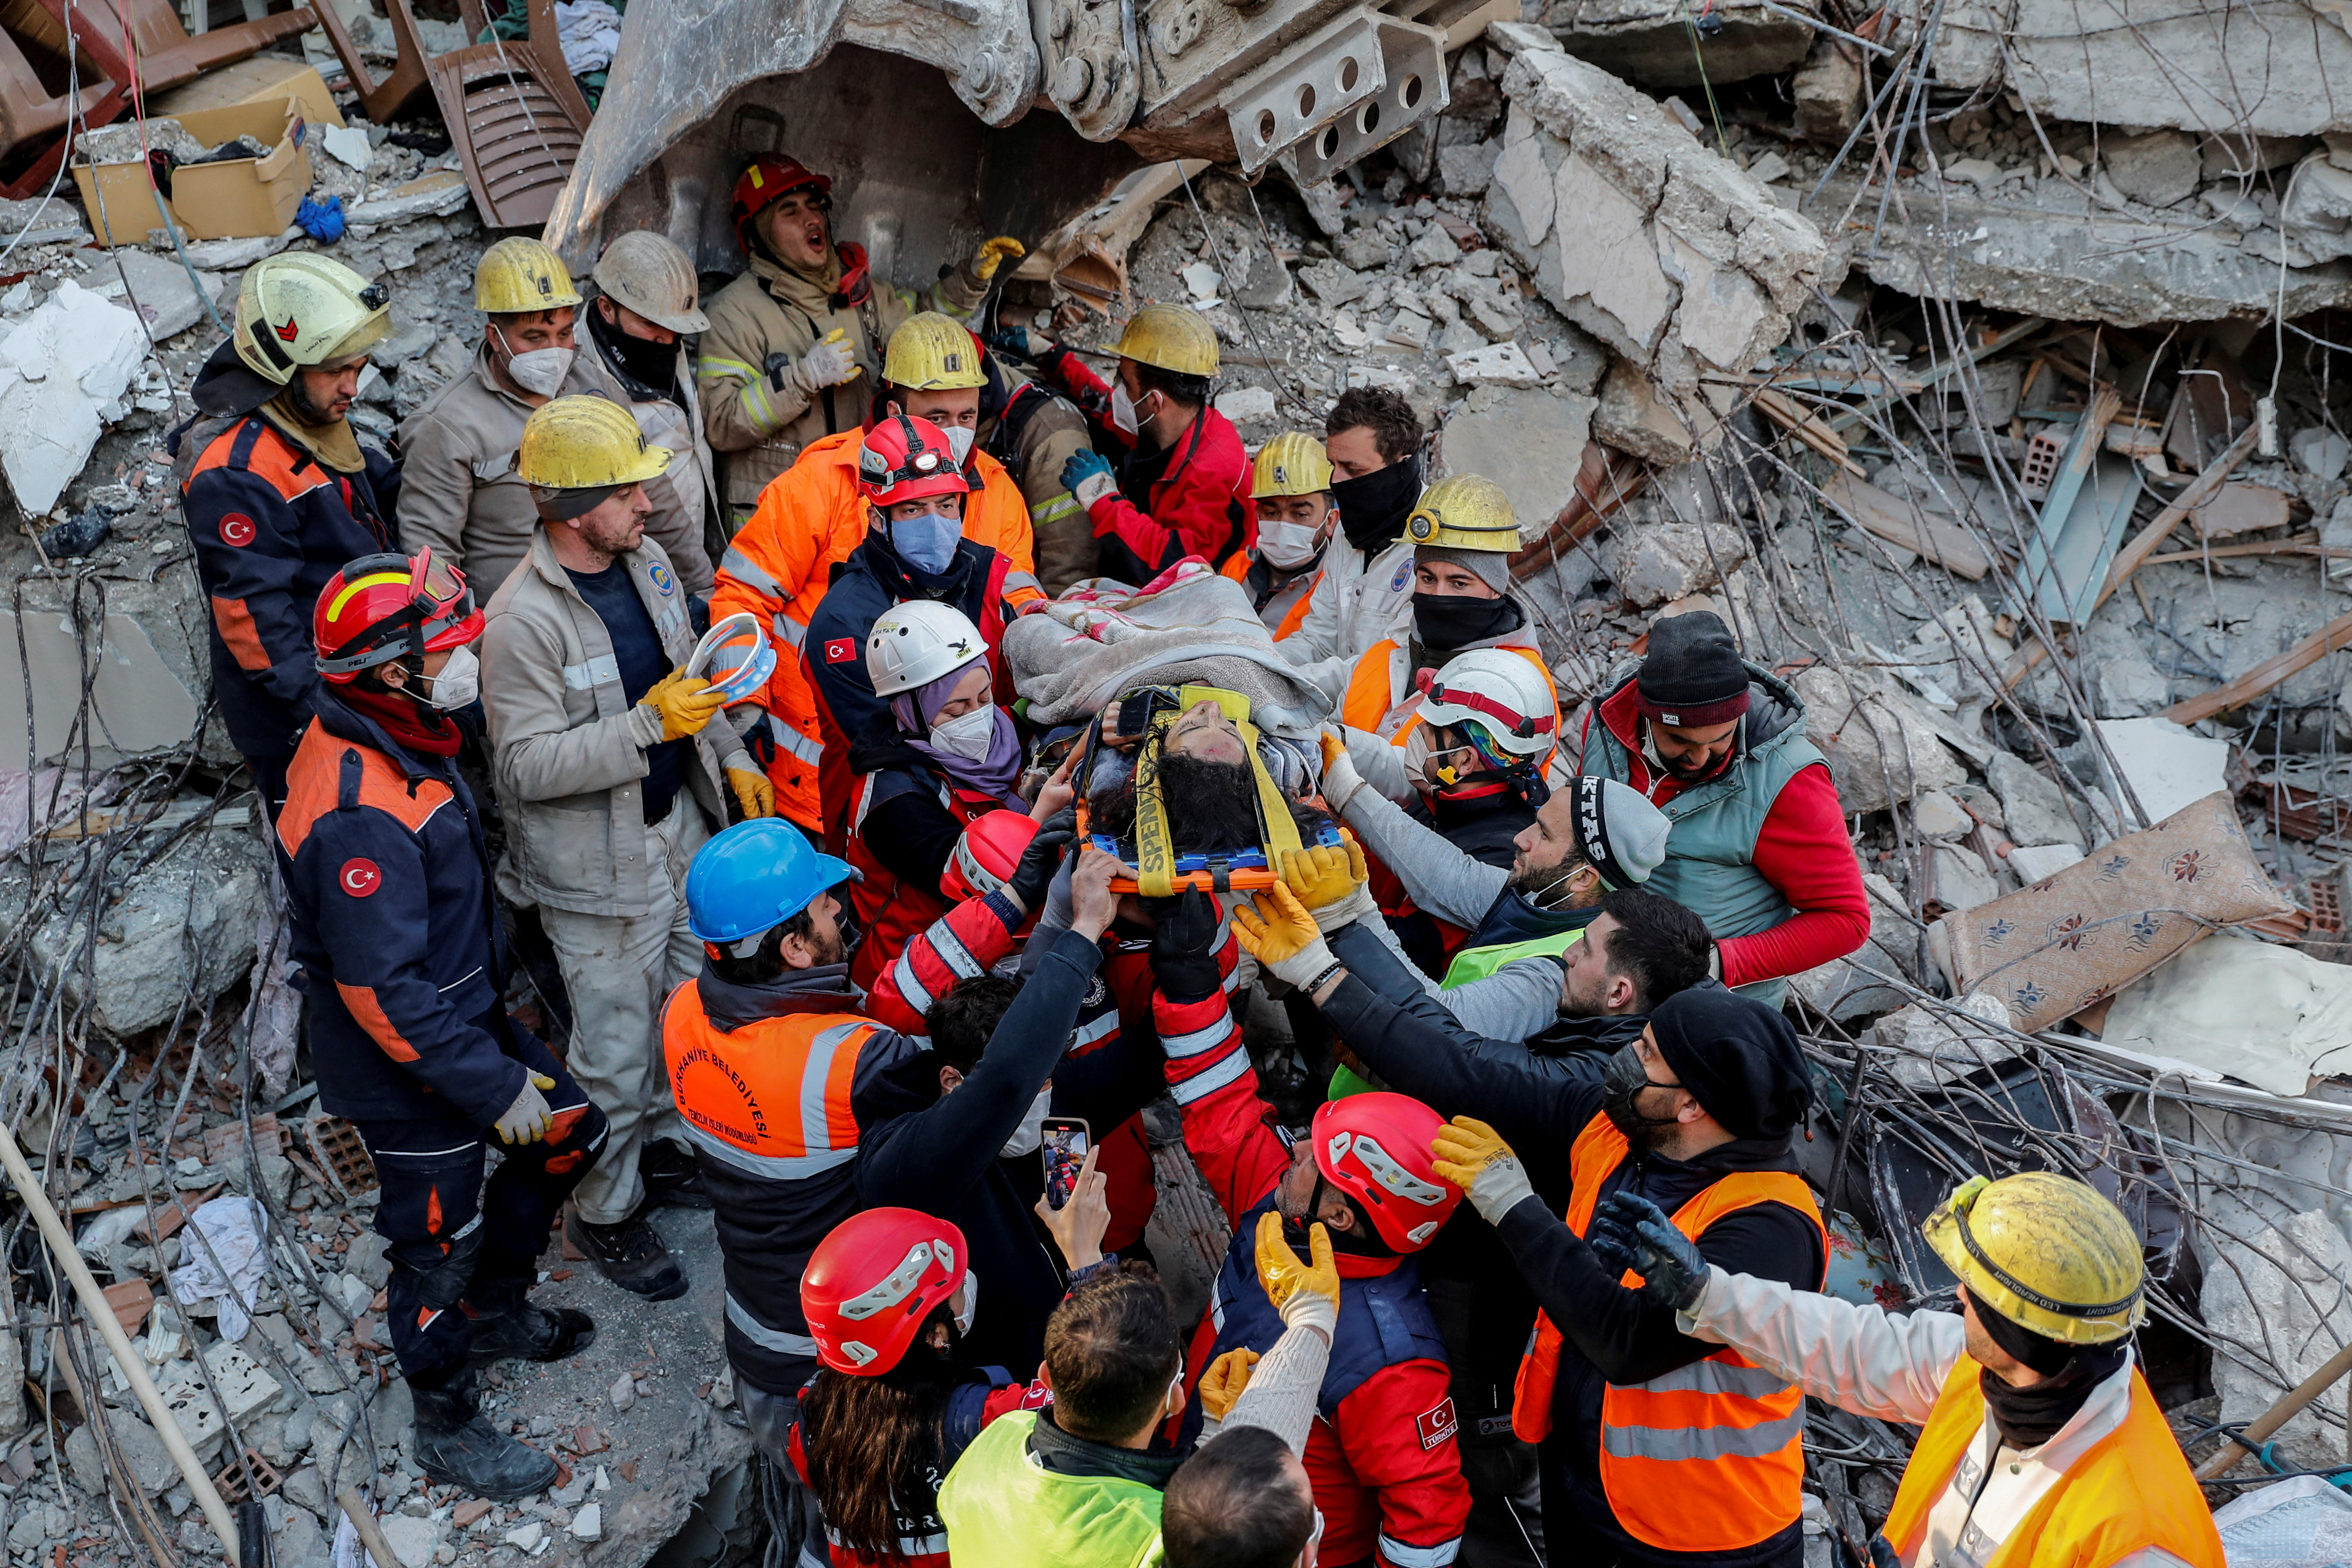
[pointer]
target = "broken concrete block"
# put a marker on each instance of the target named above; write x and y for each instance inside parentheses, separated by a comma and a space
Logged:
(1828, 91)
(2320, 452)
(1436, 248)
(2242, 508)
(1880, 745)
(2035, 808)
(1528, 440)
(2280, 1294)
(201, 899)
(1407, 329)
(1333, 284)
(1934, 815)
(2169, 768)
(442, 191)
(588, 1524)
(1495, 364)
(168, 300)
(412, 1539)
(1664, 250)
(1659, 49)
(1959, 878)
(1655, 562)
(2038, 862)
(1246, 403)
(1465, 169)
(1634, 418)
(146, 661)
(2162, 168)
(243, 1385)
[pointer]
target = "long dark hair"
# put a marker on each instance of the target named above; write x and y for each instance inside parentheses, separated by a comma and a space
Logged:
(869, 1441)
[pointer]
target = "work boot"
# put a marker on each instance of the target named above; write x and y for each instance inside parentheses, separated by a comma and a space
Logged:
(630, 1254)
(507, 1322)
(459, 1447)
(671, 1177)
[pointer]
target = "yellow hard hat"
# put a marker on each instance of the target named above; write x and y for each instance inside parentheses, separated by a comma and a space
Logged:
(932, 353)
(299, 310)
(2046, 1251)
(518, 275)
(1290, 465)
(1463, 512)
(584, 442)
(1172, 338)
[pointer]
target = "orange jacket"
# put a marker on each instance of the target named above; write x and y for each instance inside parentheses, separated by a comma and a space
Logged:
(1283, 609)
(1710, 1457)
(2130, 1492)
(809, 519)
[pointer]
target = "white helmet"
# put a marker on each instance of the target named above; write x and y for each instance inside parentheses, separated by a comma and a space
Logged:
(1501, 692)
(915, 643)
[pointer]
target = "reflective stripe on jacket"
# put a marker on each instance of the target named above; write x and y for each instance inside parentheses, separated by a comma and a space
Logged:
(1708, 1457)
(2091, 1504)
(1383, 699)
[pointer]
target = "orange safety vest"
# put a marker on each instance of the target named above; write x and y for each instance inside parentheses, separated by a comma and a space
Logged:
(1237, 567)
(1710, 1457)
(2130, 1491)
(781, 562)
(1373, 704)
(772, 1098)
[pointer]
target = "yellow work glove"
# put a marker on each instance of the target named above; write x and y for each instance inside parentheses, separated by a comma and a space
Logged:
(993, 253)
(526, 1120)
(1340, 779)
(1325, 873)
(1474, 1157)
(1304, 1294)
(754, 792)
(1279, 932)
(686, 703)
(1223, 1383)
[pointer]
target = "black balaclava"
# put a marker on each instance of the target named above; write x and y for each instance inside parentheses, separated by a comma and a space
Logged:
(1373, 507)
(2029, 1417)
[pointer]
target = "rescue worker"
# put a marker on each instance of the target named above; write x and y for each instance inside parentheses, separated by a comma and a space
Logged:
(779, 1073)
(1463, 532)
(1759, 846)
(1034, 433)
(1657, 1448)
(872, 1316)
(612, 773)
(648, 302)
(810, 519)
(1587, 839)
(388, 886)
(1183, 487)
(915, 549)
(2039, 1439)
(1373, 439)
(940, 756)
(461, 494)
(804, 319)
(277, 493)
(1290, 483)
(1385, 1465)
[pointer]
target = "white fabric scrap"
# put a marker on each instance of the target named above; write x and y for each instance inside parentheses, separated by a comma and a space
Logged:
(234, 1237)
(591, 31)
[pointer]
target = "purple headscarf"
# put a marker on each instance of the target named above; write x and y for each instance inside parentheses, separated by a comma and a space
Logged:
(995, 776)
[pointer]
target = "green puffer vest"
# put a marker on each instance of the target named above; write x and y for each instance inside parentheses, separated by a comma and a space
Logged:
(1710, 865)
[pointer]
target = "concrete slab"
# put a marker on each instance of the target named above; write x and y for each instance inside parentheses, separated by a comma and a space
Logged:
(2167, 766)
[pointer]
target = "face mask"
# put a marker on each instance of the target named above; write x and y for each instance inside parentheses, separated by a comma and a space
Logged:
(965, 1319)
(459, 682)
(1030, 1136)
(927, 542)
(1122, 410)
(1373, 507)
(1287, 546)
(1450, 621)
(1622, 1082)
(1552, 891)
(969, 736)
(959, 442)
(542, 371)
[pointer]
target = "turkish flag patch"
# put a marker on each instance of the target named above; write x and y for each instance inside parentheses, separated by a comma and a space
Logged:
(841, 650)
(1436, 1426)
(236, 529)
(361, 877)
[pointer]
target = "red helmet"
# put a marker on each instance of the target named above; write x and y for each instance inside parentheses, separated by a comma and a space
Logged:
(767, 179)
(906, 459)
(871, 1284)
(985, 853)
(383, 608)
(1375, 1148)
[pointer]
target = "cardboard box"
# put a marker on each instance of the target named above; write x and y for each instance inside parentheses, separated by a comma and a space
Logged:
(238, 199)
(263, 78)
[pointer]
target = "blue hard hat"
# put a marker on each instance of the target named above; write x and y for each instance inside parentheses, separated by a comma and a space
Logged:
(756, 876)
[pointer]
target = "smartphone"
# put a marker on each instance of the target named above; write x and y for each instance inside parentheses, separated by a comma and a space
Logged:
(1063, 1152)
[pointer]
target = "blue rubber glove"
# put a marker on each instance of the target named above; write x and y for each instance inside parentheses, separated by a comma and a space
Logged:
(1018, 342)
(1087, 476)
(1631, 1231)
